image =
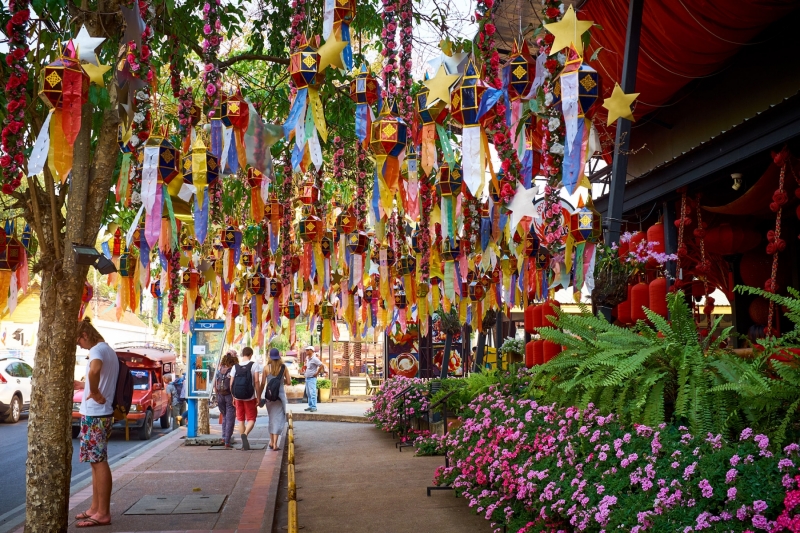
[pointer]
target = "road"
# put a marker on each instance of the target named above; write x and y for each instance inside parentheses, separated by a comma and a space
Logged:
(14, 451)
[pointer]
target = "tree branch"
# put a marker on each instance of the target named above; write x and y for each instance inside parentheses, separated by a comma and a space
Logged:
(252, 57)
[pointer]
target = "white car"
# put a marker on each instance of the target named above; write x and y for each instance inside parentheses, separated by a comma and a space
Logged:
(292, 367)
(15, 388)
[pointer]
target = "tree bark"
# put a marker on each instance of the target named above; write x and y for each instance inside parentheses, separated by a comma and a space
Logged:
(202, 418)
(49, 464)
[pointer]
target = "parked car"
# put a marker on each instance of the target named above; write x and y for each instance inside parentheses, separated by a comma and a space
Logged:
(292, 367)
(150, 398)
(15, 388)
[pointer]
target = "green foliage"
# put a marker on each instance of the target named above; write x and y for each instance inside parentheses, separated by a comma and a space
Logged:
(466, 389)
(513, 346)
(323, 383)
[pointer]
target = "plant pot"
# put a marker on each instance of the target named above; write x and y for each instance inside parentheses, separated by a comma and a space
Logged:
(610, 288)
(295, 392)
(324, 395)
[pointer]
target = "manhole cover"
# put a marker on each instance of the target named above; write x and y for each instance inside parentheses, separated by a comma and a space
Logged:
(155, 505)
(200, 503)
(191, 504)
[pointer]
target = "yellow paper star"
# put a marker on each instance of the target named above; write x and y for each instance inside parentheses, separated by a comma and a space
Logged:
(96, 72)
(619, 105)
(440, 85)
(568, 31)
(330, 53)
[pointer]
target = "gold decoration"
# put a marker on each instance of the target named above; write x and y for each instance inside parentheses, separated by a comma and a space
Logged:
(330, 53)
(568, 31)
(389, 130)
(588, 83)
(96, 72)
(440, 86)
(53, 79)
(619, 105)
(519, 72)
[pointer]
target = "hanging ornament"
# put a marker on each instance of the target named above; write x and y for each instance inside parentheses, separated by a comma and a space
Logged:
(364, 91)
(464, 101)
(388, 137)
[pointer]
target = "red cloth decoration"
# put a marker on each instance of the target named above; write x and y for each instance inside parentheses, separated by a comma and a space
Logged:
(677, 43)
(640, 298)
(75, 90)
(658, 296)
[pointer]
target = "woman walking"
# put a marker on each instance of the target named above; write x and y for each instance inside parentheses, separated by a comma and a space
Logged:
(222, 386)
(276, 370)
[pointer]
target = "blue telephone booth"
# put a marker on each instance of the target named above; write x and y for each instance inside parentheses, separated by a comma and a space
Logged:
(208, 339)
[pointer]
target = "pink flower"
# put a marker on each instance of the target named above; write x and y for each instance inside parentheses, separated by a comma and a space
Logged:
(211, 89)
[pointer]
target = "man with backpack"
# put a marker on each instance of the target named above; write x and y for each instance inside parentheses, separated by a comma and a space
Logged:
(97, 417)
(246, 389)
(175, 391)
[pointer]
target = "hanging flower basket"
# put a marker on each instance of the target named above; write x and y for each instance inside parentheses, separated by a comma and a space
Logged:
(610, 287)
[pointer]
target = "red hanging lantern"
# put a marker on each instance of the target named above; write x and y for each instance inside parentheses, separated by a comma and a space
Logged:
(658, 296)
(11, 257)
(309, 193)
(636, 240)
(529, 354)
(640, 299)
(549, 314)
(529, 320)
(538, 352)
(550, 350)
(364, 88)
(624, 310)
(310, 228)
(346, 222)
(476, 291)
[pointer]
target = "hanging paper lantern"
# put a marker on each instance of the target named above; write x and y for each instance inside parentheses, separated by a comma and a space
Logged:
(257, 283)
(11, 256)
(530, 356)
(624, 310)
(187, 243)
(466, 97)
(248, 259)
(138, 233)
(522, 70)
(584, 224)
(530, 311)
(728, 240)
(658, 296)
(476, 291)
(327, 244)
(326, 311)
(124, 146)
(655, 237)
(190, 279)
(542, 257)
(346, 222)
(450, 249)
(230, 237)
(550, 350)
(640, 299)
(357, 242)
(449, 181)
(274, 287)
(126, 265)
(538, 352)
(273, 209)
(27, 237)
(407, 265)
(291, 310)
(388, 134)
(400, 299)
(549, 314)
(416, 241)
(168, 158)
(364, 88)
(428, 115)
(369, 294)
(304, 66)
(237, 111)
(638, 239)
(344, 11)
(211, 164)
(309, 193)
(63, 73)
(588, 89)
(310, 228)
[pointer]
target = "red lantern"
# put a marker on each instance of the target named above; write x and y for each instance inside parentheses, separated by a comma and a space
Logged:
(538, 317)
(309, 193)
(636, 240)
(529, 354)
(640, 299)
(655, 237)
(728, 240)
(549, 314)
(11, 257)
(658, 296)
(310, 228)
(550, 350)
(624, 310)
(346, 222)
(538, 352)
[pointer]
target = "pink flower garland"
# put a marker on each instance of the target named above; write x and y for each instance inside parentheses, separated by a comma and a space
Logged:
(389, 46)
(185, 103)
(212, 79)
(298, 16)
(138, 59)
(552, 140)
(338, 159)
(285, 196)
(361, 187)
(495, 124)
(12, 142)
(405, 103)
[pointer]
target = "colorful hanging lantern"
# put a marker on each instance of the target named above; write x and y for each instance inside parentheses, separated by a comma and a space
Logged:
(327, 244)
(309, 193)
(466, 97)
(400, 300)
(190, 279)
(450, 249)
(521, 69)
(346, 222)
(364, 89)
(274, 287)
(448, 186)
(257, 283)
(230, 236)
(168, 158)
(584, 224)
(477, 291)
(11, 256)
(291, 310)
(155, 289)
(248, 259)
(310, 228)
(542, 258)
(357, 242)
(63, 80)
(304, 66)
(255, 180)
(388, 137)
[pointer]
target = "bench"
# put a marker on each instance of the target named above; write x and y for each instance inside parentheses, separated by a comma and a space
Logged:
(358, 386)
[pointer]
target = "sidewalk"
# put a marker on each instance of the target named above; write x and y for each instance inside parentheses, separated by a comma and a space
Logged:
(248, 481)
(341, 411)
(352, 479)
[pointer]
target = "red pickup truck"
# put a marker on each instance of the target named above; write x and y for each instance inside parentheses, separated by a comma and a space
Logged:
(150, 399)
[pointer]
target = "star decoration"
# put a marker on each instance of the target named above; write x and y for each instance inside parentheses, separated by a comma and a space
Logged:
(86, 45)
(619, 105)
(95, 71)
(439, 86)
(134, 25)
(522, 205)
(568, 31)
(330, 54)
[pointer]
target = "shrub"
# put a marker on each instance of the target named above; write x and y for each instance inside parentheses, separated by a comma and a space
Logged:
(387, 412)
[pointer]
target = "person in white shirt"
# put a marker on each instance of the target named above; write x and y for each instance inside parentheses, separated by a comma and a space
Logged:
(246, 394)
(96, 421)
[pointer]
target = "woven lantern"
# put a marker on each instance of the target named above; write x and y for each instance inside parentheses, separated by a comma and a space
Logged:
(326, 244)
(584, 224)
(476, 291)
(257, 283)
(400, 298)
(309, 192)
(212, 167)
(428, 115)
(326, 311)
(230, 237)
(291, 310)
(357, 242)
(542, 258)
(588, 89)
(190, 279)
(344, 11)
(364, 89)
(368, 294)
(248, 258)
(11, 256)
(449, 180)
(407, 265)
(466, 97)
(274, 287)
(273, 209)
(63, 73)
(388, 134)
(522, 70)
(450, 249)
(304, 66)
(237, 112)
(254, 178)
(168, 158)
(310, 228)
(346, 222)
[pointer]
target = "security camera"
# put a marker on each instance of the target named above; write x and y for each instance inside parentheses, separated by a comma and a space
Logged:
(737, 181)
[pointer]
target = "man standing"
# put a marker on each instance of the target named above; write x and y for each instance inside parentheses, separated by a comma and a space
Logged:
(96, 421)
(175, 400)
(313, 369)
(246, 389)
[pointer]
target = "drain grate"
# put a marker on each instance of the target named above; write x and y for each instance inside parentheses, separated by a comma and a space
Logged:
(190, 504)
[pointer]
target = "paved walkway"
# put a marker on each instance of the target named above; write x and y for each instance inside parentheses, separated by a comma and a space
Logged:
(352, 479)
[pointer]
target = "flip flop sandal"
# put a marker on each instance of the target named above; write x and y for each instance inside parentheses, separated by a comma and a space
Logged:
(91, 522)
(83, 516)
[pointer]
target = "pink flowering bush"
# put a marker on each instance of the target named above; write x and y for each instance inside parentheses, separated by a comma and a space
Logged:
(546, 468)
(388, 409)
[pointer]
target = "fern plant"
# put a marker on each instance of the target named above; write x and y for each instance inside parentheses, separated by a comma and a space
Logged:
(644, 375)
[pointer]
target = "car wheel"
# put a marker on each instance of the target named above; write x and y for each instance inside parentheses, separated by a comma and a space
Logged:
(166, 420)
(15, 411)
(146, 431)
(76, 430)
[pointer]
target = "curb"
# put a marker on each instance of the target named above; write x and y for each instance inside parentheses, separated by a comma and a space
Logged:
(322, 417)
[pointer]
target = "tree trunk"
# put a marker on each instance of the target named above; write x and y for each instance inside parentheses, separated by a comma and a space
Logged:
(49, 464)
(202, 418)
